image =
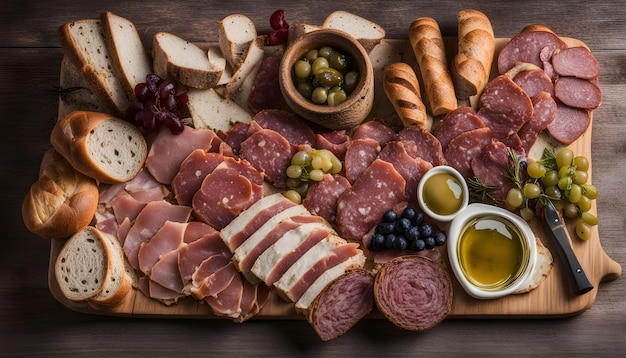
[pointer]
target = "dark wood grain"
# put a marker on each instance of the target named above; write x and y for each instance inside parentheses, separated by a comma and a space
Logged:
(32, 323)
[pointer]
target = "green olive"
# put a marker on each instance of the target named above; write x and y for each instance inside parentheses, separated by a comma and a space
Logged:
(338, 60)
(336, 97)
(305, 89)
(311, 55)
(319, 95)
(350, 81)
(325, 51)
(318, 64)
(302, 69)
(328, 77)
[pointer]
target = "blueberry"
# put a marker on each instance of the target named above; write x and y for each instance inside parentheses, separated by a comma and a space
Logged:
(426, 230)
(430, 242)
(418, 219)
(390, 216)
(418, 245)
(402, 225)
(390, 240)
(377, 243)
(413, 233)
(385, 228)
(400, 243)
(408, 213)
(440, 238)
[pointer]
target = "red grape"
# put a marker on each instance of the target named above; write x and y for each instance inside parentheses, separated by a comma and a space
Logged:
(277, 20)
(276, 37)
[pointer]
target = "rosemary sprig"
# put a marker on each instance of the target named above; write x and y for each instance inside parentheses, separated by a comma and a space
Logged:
(481, 192)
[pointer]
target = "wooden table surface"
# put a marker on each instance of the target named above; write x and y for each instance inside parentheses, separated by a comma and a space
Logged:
(33, 323)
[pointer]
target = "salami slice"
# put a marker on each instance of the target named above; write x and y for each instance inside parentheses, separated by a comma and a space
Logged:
(237, 134)
(290, 126)
(576, 61)
(490, 167)
(360, 153)
(569, 124)
(504, 106)
(270, 153)
(457, 121)
(377, 190)
(413, 292)
(192, 172)
(342, 304)
(544, 113)
(577, 92)
(411, 168)
(526, 47)
(534, 81)
(321, 198)
(336, 142)
(374, 130)
(462, 149)
(427, 145)
(265, 93)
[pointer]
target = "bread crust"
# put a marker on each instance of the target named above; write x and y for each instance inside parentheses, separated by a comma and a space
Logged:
(402, 87)
(61, 201)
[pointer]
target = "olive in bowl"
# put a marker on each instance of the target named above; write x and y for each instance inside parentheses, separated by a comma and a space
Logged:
(338, 70)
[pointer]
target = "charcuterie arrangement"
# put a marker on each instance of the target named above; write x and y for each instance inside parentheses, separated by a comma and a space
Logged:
(180, 176)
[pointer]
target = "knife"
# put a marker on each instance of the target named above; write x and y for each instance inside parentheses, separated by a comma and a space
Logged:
(578, 279)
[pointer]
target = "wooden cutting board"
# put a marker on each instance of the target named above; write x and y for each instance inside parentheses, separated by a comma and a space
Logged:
(553, 298)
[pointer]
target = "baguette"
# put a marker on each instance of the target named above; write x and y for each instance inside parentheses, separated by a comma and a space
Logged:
(130, 60)
(100, 146)
(403, 90)
(180, 60)
(427, 43)
(84, 44)
(235, 33)
(61, 201)
(476, 46)
(368, 33)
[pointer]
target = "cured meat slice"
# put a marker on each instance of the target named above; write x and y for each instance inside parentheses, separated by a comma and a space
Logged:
(526, 47)
(360, 153)
(410, 168)
(457, 121)
(192, 171)
(287, 124)
(413, 292)
(342, 304)
(462, 149)
(244, 225)
(374, 130)
(165, 272)
(544, 113)
(321, 198)
(168, 150)
(168, 238)
(212, 276)
(576, 61)
(192, 255)
(235, 135)
(490, 167)
(244, 168)
(569, 124)
(224, 194)
(379, 188)
(125, 206)
(336, 142)
(195, 230)
(534, 81)
(148, 222)
(270, 153)
(577, 92)
(228, 302)
(504, 107)
(155, 291)
(427, 145)
(265, 91)
(279, 257)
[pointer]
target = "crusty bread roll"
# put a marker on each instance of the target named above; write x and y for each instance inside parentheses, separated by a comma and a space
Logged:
(99, 145)
(476, 46)
(427, 43)
(403, 90)
(61, 201)
(180, 60)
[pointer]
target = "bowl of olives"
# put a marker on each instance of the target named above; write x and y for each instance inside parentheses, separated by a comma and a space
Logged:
(326, 77)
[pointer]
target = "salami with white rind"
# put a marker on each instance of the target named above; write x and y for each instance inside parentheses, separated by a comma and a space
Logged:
(413, 292)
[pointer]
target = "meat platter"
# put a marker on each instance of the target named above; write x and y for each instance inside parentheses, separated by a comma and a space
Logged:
(551, 299)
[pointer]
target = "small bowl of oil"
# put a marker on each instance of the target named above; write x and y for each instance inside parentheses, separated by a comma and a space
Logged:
(442, 193)
(491, 250)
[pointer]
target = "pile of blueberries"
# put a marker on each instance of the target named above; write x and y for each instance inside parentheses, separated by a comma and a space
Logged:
(408, 230)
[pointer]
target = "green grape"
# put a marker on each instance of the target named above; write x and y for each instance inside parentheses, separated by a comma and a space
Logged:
(580, 177)
(551, 178)
(336, 165)
(293, 182)
(531, 190)
(583, 230)
(553, 192)
(316, 175)
(584, 204)
(565, 171)
(570, 210)
(526, 213)
(293, 196)
(514, 198)
(589, 218)
(564, 158)
(575, 193)
(564, 183)
(302, 158)
(536, 170)
(559, 204)
(581, 163)
(590, 191)
(294, 171)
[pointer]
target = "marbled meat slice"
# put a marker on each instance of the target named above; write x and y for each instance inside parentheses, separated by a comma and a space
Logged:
(290, 126)
(570, 123)
(360, 153)
(544, 113)
(534, 81)
(504, 106)
(490, 167)
(270, 153)
(428, 146)
(577, 92)
(321, 198)
(576, 61)
(457, 121)
(196, 166)
(526, 47)
(378, 189)
(413, 292)
(462, 149)
(410, 168)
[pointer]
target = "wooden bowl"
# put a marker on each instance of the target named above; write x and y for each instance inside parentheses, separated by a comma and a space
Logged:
(357, 106)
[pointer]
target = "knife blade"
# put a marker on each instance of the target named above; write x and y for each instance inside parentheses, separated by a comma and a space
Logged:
(576, 275)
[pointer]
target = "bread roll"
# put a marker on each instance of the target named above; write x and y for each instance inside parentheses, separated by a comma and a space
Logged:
(99, 145)
(403, 90)
(476, 46)
(61, 201)
(428, 47)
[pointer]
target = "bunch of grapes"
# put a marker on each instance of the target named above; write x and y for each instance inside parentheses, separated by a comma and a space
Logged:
(280, 29)
(563, 179)
(309, 165)
(157, 101)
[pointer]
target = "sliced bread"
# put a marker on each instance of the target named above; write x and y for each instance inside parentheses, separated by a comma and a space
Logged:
(82, 266)
(100, 146)
(83, 42)
(235, 34)
(209, 110)
(130, 60)
(180, 60)
(368, 33)
(119, 281)
(239, 87)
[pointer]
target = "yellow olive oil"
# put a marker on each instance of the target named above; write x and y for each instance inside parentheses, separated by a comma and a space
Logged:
(443, 194)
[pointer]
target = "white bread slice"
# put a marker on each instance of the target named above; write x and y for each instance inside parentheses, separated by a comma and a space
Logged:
(180, 60)
(298, 30)
(235, 34)
(216, 57)
(82, 267)
(130, 60)
(100, 146)
(368, 33)
(74, 91)
(119, 282)
(209, 110)
(239, 87)
(84, 44)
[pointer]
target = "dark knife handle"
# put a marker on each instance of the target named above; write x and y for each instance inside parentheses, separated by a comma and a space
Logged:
(577, 277)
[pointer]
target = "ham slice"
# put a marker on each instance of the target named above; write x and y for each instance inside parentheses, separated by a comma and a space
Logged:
(188, 180)
(205, 282)
(168, 238)
(165, 272)
(192, 255)
(228, 302)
